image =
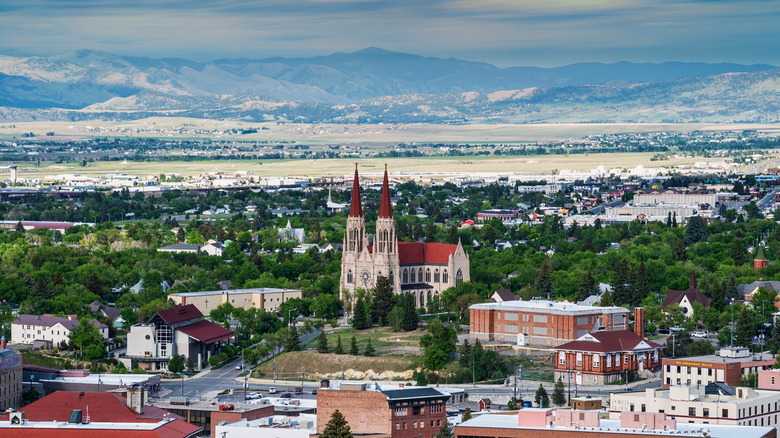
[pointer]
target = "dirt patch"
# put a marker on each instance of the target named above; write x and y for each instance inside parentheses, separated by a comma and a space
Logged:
(330, 366)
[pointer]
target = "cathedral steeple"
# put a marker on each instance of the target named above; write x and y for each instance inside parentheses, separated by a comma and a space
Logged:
(356, 208)
(385, 207)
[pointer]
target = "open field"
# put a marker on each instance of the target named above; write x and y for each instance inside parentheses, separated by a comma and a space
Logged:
(181, 128)
(443, 166)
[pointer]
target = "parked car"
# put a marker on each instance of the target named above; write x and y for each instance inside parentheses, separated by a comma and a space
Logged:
(699, 334)
(298, 390)
(240, 366)
(272, 390)
(254, 395)
(664, 332)
(676, 329)
(286, 395)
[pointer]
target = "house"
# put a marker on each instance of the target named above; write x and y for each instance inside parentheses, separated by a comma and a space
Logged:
(713, 403)
(415, 412)
(180, 330)
(112, 313)
(604, 357)
(746, 291)
(47, 329)
(567, 423)
(729, 365)
(331, 247)
(214, 248)
(65, 414)
(503, 295)
(290, 234)
(541, 322)
(484, 404)
(686, 298)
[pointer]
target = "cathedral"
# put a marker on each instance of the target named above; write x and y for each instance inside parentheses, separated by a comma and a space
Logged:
(421, 269)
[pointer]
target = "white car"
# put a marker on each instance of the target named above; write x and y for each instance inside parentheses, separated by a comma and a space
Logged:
(700, 335)
(272, 390)
(677, 328)
(253, 395)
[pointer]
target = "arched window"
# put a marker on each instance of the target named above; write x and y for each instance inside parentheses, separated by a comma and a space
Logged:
(419, 275)
(428, 275)
(422, 298)
(391, 278)
(436, 276)
(405, 278)
(378, 274)
(429, 296)
(349, 276)
(446, 277)
(414, 276)
(458, 277)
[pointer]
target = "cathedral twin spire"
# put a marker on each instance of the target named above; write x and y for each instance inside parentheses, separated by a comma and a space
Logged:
(385, 207)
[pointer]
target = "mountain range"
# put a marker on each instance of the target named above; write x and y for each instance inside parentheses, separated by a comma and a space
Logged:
(376, 85)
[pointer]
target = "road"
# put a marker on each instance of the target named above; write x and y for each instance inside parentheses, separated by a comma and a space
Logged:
(766, 202)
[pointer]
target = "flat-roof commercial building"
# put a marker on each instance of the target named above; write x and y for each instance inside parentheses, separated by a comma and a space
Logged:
(727, 366)
(266, 298)
(716, 403)
(542, 322)
(207, 415)
(10, 378)
(565, 423)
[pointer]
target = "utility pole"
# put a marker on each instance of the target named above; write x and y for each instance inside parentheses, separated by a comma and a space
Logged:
(473, 378)
(569, 387)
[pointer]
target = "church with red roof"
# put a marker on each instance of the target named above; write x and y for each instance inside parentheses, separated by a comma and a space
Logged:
(423, 269)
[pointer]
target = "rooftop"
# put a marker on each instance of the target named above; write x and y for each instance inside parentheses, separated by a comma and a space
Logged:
(546, 306)
(257, 290)
(501, 421)
(696, 360)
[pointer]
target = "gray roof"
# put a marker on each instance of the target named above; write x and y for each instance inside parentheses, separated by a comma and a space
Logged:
(411, 393)
(180, 247)
(48, 321)
(768, 285)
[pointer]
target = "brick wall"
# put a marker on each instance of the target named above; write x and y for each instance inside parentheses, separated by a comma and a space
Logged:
(366, 412)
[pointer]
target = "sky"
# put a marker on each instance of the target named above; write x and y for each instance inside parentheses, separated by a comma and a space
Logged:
(505, 33)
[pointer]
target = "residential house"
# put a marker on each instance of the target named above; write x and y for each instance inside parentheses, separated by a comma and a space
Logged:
(686, 298)
(47, 329)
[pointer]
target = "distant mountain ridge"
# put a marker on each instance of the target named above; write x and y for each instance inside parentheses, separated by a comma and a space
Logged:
(378, 85)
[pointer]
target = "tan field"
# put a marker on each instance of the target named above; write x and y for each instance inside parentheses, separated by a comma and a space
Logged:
(337, 167)
(163, 127)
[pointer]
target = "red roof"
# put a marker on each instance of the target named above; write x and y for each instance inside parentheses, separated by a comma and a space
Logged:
(416, 253)
(385, 207)
(693, 294)
(356, 209)
(179, 313)
(102, 407)
(206, 331)
(608, 342)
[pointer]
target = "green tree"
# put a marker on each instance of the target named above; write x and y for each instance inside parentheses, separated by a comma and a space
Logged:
(369, 351)
(422, 378)
(87, 334)
(383, 302)
(176, 364)
(544, 283)
(745, 327)
(129, 317)
(353, 348)
(586, 286)
(466, 415)
(695, 230)
(337, 427)
(513, 404)
(339, 347)
(445, 431)
(410, 317)
(362, 316)
(541, 397)
(437, 344)
(293, 341)
(558, 395)
(322, 342)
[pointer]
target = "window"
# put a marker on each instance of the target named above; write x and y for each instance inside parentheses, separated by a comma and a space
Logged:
(773, 380)
(391, 278)
(609, 360)
(625, 359)
(414, 276)
(562, 358)
(579, 359)
(436, 276)
(414, 425)
(349, 276)
(399, 412)
(419, 275)
(705, 412)
(644, 408)
(427, 275)
(405, 278)
(397, 426)
(459, 277)
(445, 277)
(692, 411)
(595, 361)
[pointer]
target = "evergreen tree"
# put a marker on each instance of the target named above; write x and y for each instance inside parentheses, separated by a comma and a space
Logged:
(737, 252)
(541, 397)
(445, 431)
(597, 224)
(695, 231)
(466, 414)
(680, 252)
(339, 348)
(369, 351)
(744, 328)
(513, 404)
(464, 354)
(337, 427)
(774, 339)
(640, 284)
(322, 343)
(558, 395)
(353, 348)
(422, 378)
(362, 318)
(383, 302)
(544, 284)
(621, 289)
(293, 342)
(176, 364)
(586, 286)
(410, 317)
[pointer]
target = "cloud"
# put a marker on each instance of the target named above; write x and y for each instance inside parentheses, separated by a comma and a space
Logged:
(505, 32)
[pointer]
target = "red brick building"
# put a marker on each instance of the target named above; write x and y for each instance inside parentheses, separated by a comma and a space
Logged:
(604, 357)
(415, 412)
(542, 322)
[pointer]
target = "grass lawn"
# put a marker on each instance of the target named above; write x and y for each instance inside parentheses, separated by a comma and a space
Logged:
(384, 340)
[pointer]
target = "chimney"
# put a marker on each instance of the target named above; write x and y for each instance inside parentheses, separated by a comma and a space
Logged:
(135, 399)
(639, 322)
(3, 343)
